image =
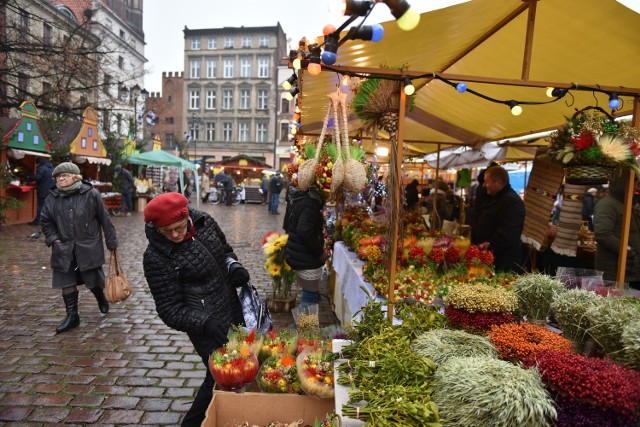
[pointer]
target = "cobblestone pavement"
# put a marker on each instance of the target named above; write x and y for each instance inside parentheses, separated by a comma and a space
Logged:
(122, 368)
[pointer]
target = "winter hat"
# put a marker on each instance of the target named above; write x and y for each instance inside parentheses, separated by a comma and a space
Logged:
(166, 209)
(592, 191)
(66, 167)
(118, 168)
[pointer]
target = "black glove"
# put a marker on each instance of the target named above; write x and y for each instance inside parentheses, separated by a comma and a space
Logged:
(238, 275)
(216, 333)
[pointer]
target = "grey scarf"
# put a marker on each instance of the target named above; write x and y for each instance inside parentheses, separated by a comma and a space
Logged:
(73, 188)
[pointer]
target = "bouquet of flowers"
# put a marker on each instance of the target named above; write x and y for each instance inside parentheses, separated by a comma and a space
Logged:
(315, 369)
(274, 247)
(236, 364)
(278, 374)
(588, 140)
(281, 342)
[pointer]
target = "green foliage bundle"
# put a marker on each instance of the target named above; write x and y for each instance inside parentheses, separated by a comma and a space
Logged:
(569, 310)
(631, 343)
(440, 345)
(535, 294)
(607, 319)
(481, 391)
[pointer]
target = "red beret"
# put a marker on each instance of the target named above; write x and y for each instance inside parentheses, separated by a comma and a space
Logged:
(166, 209)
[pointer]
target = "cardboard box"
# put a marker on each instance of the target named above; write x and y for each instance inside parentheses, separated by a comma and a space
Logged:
(228, 408)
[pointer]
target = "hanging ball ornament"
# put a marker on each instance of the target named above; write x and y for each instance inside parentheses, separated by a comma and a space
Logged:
(328, 29)
(461, 87)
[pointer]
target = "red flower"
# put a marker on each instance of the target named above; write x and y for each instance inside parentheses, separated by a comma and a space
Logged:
(486, 257)
(472, 253)
(437, 255)
(474, 322)
(452, 255)
(584, 141)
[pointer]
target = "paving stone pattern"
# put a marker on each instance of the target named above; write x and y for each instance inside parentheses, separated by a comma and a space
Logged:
(120, 369)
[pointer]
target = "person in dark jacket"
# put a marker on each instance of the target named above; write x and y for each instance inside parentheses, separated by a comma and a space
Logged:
(500, 221)
(276, 184)
(126, 189)
(411, 194)
(192, 274)
(588, 206)
(73, 221)
(304, 223)
(607, 223)
(44, 183)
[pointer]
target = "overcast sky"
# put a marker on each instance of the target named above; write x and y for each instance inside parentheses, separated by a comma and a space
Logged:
(164, 22)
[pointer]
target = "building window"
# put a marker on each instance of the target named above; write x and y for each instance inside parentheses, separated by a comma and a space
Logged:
(195, 44)
(246, 42)
(244, 99)
(228, 68)
(227, 99)
(263, 67)
(23, 19)
(211, 99)
(243, 131)
(46, 91)
(285, 106)
(227, 131)
(211, 132)
(168, 120)
(262, 99)
(194, 99)
(121, 62)
(264, 41)
(212, 44)
(284, 131)
(169, 139)
(23, 85)
(194, 69)
(47, 34)
(245, 67)
(122, 35)
(261, 132)
(212, 68)
(228, 42)
(36, 139)
(83, 142)
(106, 84)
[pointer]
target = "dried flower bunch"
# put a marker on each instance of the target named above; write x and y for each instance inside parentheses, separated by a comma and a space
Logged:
(481, 391)
(587, 139)
(520, 342)
(535, 294)
(607, 319)
(569, 308)
(440, 345)
(482, 298)
(599, 382)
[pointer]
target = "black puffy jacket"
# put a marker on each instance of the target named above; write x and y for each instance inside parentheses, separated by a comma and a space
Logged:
(304, 224)
(189, 281)
(77, 220)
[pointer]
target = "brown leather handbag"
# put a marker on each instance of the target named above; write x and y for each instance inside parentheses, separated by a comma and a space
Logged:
(117, 287)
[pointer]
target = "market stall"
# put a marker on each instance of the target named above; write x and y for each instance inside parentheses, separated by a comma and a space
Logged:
(22, 142)
(247, 172)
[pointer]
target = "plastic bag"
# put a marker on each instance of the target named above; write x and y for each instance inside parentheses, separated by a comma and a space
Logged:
(254, 309)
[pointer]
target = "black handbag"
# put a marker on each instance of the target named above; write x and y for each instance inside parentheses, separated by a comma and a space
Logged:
(254, 309)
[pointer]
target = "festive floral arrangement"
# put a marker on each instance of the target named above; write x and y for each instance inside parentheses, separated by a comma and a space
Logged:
(315, 370)
(535, 294)
(274, 247)
(520, 342)
(587, 139)
(599, 383)
(233, 369)
(278, 374)
(483, 391)
(278, 342)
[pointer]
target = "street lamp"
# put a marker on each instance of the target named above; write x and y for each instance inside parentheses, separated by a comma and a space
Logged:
(194, 125)
(132, 96)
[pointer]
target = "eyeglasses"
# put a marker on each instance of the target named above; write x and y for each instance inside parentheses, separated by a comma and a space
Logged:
(63, 176)
(168, 231)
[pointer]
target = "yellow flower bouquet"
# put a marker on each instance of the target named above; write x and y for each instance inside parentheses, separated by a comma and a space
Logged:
(274, 247)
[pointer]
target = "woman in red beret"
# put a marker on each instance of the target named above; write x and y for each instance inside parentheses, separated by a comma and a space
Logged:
(192, 274)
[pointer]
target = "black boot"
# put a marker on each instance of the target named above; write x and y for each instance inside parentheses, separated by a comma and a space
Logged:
(73, 319)
(103, 304)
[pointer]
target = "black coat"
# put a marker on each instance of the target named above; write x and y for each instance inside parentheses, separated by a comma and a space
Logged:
(500, 222)
(189, 281)
(126, 182)
(77, 221)
(44, 178)
(304, 224)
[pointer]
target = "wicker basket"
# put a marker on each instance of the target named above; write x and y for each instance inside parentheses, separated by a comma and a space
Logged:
(587, 174)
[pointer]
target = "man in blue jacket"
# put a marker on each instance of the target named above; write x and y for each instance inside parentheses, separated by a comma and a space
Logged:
(44, 183)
